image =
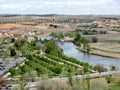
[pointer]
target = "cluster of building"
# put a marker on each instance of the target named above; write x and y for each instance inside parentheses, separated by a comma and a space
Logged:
(101, 24)
(18, 35)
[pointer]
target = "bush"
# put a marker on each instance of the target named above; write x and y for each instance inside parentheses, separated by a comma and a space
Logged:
(13, 71)
(94, 40)
(100, 68)
(57, 69)
(12, 52)
(113, 67)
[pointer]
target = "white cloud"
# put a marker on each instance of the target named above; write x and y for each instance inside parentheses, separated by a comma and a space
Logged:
(60, 6)
(1, 1)
(15, 6)
(90, 2)
(78, 2)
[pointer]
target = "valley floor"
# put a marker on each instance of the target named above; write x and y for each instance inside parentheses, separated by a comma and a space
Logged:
(106, 49)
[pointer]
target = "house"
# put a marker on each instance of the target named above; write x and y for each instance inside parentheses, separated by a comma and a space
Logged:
(30, 33)
(30, 38)
(1, 33)
(18, 35)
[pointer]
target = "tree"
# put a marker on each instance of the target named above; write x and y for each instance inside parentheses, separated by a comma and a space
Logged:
(70, 78)
(36, 38)
(88, 48)
(39, 46)
(57, 69)
(51, 46)
(17, 44)
(13, 71)
(13, 40)
(109, 79)
(113, 67)
(102, 32)
(6, 53)
(25, 68)
(41, 70)
(29, 57)
(22, 82)
(94, 40)
(12, 52)
(77, 38)
(61, 35)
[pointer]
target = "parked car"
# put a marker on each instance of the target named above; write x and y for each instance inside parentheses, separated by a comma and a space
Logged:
(5, 87)
(2, 68)
(1, 62)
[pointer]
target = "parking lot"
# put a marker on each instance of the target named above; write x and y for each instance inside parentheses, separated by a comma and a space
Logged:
(6, 64)
(6, 87)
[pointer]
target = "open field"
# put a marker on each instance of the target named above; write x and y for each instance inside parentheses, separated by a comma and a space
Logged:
(108, 45)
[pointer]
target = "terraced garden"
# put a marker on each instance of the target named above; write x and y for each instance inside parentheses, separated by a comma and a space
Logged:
(53, 66)
(52, 63)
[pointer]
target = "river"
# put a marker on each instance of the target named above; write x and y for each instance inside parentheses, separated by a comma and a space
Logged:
(70, 50)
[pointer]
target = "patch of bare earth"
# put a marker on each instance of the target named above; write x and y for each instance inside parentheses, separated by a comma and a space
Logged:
(106, 49)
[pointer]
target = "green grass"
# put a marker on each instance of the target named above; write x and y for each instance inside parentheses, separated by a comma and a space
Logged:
(114, 87)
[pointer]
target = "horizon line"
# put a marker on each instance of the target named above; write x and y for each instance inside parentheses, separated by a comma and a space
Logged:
(56, 14)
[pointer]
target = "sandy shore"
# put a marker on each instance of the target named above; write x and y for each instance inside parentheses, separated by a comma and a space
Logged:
(102, 53)
(105, 54)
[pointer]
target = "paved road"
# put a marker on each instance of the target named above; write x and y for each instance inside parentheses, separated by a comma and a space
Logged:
(94, 75)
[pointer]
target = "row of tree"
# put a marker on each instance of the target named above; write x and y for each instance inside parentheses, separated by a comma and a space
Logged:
(82, 42)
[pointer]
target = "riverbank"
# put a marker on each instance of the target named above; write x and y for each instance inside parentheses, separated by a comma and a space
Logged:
(102, 53)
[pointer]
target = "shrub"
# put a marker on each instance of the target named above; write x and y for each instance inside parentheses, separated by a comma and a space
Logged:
(94, 40)
(100, 68)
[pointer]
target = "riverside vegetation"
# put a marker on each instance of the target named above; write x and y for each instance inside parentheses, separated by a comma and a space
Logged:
(98, 42)
(52, 62)
(45, 59)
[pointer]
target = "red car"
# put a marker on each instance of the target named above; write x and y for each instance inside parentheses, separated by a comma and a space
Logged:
(3, 85)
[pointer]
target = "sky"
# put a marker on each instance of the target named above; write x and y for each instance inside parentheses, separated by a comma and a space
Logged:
(73, 7)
